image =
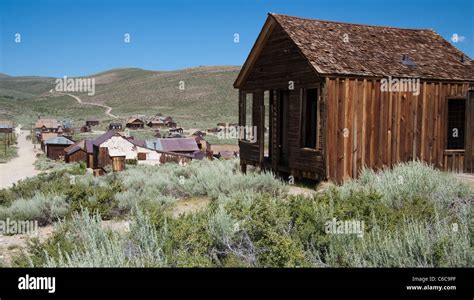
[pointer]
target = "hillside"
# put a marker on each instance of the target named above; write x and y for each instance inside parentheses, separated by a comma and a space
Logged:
(208, 96)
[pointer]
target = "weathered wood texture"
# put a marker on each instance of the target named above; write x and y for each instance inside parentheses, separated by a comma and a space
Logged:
(118, 163)
(280, 66)
(55, 152)
(359, 124)
(469, 155)
(367, 127)
(77, 156)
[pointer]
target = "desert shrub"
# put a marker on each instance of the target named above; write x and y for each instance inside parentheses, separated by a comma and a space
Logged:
(415, 244)
(189, 243)
(94, 246)
(408, 181)
(97, 198)
(43, 163)
(164, 184)
(253, 223)
(44, 208)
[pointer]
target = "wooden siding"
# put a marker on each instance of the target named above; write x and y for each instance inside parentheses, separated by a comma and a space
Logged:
(278, 64)
(367, 127)
(469, 154)
(118, 163)
(79, 155)
(55, 152)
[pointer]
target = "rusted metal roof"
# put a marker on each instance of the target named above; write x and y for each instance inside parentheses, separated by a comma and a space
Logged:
(173, 145)
(104, 137)
(88, 145)
(136, 142)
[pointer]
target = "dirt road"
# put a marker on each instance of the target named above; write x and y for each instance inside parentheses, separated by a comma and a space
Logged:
(108, 109)
(20, 167)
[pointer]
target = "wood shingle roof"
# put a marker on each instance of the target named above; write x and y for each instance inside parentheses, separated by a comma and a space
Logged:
(335, 48)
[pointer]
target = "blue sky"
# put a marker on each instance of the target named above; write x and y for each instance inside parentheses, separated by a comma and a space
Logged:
(81, 37)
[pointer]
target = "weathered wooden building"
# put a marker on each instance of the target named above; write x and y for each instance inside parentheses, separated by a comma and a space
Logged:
(46, 125)
(92, 122)
(323, 99)
(115, 126)
(135, 123)
(76, 152)
(54, 147)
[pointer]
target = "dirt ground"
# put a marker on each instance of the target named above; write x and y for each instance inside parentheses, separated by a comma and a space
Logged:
(468, 178)
(20, 167)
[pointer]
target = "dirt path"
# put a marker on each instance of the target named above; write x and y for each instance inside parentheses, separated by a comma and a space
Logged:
(108, 109)
(20, 167)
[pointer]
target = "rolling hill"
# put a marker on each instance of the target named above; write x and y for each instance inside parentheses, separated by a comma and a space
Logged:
(208, 96)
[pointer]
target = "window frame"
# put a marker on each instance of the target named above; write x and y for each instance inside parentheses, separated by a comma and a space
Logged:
(459, 98)
(303, 119)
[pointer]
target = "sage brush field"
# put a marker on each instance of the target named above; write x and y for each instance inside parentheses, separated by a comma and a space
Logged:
(414, 216)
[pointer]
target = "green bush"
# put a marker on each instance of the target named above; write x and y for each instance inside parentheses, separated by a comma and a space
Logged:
(43, 208)
(251, 222)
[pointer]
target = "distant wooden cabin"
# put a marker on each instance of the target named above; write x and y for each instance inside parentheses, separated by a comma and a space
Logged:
(44, 136)
(325, 91)
(92, 122)
(54, 147)
(156, 123)
(46, 125)
(111, 146)
(177, 130)
(6, 126)
(76, 152)
(67, 127)
(135, 123)
(115, 126)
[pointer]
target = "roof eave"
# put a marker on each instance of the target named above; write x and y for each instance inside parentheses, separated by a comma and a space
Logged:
(255, 51)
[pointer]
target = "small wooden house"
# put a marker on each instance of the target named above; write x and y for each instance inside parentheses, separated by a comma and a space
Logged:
(46, 125)
(44, 136)
(115, 126)
(135, 123)
(156, 123)
(109, 148)
(76, 152)
(54, 147)
(335, 97)
(67, 126)
(92, 122)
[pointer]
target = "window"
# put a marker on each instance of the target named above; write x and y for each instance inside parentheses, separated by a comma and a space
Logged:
(266, 123)
(248, 109)
(456, 123)
(309, 118)
(247, 118)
